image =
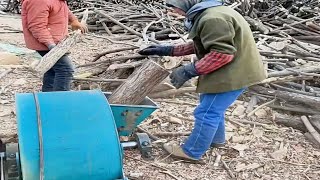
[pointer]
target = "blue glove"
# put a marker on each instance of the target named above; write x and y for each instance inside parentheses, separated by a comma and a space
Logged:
(51, 46)
(159, 50)
(182, 74)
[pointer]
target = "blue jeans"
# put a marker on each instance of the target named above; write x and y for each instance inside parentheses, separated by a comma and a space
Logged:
(59, 77)
(209, 125)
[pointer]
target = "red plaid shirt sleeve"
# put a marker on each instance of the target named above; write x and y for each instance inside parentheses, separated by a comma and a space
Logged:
(182, 50)
(212, 61)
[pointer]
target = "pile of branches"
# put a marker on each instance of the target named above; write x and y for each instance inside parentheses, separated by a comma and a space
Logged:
(127, 19)
(133, 26)
(287, 34)
(282, 29)
(12, 6)
(78, 4)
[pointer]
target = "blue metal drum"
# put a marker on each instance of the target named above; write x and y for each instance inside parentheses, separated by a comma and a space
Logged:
(80, 139)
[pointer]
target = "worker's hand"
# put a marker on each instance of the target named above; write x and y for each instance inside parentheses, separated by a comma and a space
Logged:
(51, 46)
(182, 74)
(75, 25)
(159, 50)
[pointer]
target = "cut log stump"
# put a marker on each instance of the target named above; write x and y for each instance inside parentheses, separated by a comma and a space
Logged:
(139, 84)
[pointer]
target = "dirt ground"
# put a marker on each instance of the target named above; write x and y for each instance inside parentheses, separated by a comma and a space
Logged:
(260, 150)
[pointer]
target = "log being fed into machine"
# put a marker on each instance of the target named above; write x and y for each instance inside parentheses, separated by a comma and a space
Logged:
(72, 135)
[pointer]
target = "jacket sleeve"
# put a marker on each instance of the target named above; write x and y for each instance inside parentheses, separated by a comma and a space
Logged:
(184, 49)
(71, 16)
(217, 36)
(38, 14)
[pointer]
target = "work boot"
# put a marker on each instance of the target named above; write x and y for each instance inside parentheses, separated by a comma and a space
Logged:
(176, 151)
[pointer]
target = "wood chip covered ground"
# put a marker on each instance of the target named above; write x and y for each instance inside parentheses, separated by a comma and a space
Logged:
(272, 129)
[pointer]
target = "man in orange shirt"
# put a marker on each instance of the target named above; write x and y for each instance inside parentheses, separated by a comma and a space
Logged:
(45, 24)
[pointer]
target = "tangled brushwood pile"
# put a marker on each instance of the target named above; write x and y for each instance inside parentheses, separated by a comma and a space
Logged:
(287, 34)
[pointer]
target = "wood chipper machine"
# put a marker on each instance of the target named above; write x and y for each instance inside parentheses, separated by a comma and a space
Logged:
(72, 135)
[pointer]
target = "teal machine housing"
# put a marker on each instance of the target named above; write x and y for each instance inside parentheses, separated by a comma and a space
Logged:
(80, 134)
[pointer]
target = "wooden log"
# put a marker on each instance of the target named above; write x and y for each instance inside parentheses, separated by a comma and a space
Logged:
(315, 144)
(307, 33)
(139, 84)
(308, 101)
(313, 25)
(315, 121)
(61, 49)
(311, 129)
(290, 56)
(295, 123)
(106, 28)
(253, 102)
(285, 79)
(257, 25)
(301, 53)
(295, 110)
(311, 69)
(292, 90)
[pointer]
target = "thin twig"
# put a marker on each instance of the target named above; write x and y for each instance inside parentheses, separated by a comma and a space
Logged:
(113, 51)
(170, 174)
(227, 168)
(304, 73)
(153, 137)
(122, 58)
(144, 32)
(261, 106)
(112, 41)
(248, 122)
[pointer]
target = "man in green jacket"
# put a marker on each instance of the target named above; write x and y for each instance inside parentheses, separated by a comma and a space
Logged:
(229, 61)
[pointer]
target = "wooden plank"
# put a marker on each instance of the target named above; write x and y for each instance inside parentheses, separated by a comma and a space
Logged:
(139, 84)
(48, 61)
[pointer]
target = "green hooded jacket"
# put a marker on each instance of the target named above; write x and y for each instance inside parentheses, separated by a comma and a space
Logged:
(224, 30)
